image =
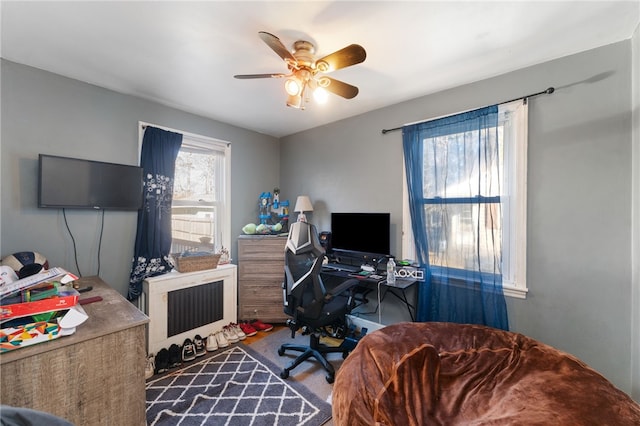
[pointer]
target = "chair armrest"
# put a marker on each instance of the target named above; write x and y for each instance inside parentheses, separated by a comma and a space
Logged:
(344, 286)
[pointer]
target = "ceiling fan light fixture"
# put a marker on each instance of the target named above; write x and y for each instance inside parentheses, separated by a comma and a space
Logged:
(294, 101)
(293, 86)
(320, 95)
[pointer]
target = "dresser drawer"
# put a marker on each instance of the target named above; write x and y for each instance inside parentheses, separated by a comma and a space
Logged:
(261, 292)
(261, 270)
(273, 313)
(261, 248)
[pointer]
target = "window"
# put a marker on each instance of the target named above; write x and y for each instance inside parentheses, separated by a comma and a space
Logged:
(499, 202)
(200, 217)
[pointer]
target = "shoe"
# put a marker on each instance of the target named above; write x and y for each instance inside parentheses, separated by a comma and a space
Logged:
(222, 340)
(150, 367)
(236, 329)
(260, 326)
(230, 335)
(212, 342)
(247, 329)
(162, 361)
(199, 345)
(188, 351)
(175, 358)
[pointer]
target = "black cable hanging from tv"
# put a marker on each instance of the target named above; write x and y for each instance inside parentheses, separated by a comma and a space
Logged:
(548, 91)
(73, 240)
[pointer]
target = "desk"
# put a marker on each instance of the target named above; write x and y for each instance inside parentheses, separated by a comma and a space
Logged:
(93, 377)
(399, 289)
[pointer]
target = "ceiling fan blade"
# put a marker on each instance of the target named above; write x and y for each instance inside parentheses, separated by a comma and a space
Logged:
(341, 88)
(276, 45)
(248, 76)
(345, 57)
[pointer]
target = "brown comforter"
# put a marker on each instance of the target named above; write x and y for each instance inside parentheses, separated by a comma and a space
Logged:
(452, 374)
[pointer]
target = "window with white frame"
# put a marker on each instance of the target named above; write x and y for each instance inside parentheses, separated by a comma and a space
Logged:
(200, 211)
(199, 216)
(510, 225)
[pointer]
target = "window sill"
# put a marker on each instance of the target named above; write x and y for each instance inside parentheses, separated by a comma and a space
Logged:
(513, 291)
(508, 288)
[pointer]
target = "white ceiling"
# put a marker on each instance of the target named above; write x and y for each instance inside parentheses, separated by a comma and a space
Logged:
(184, 54)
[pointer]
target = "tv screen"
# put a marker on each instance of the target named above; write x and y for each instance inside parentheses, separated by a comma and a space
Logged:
(84, 184)
(361, 232)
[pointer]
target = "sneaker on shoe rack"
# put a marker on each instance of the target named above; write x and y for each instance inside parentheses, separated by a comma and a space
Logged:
(162, 361)
(261, 326)
(247, 329)
(212, 342)
(238, 331)
(188, 350)
(174, 356)
(199, 345)
(230, 335)
(150, 367)
(222, 340)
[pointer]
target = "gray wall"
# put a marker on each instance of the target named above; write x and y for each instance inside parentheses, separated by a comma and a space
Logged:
(47, 113)
(579, 196)
(635, 252)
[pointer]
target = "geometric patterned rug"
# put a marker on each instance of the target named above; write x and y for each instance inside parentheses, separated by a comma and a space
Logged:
(237, 386)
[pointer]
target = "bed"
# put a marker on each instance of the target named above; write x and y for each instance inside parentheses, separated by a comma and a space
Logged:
(453, 374)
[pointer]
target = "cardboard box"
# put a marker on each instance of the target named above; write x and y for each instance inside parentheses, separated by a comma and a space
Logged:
(15, 335)
(61, 302)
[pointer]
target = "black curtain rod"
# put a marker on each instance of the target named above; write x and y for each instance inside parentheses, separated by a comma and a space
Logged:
(549, 91)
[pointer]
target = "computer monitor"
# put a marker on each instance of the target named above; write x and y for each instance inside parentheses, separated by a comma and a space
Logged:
(361, 234)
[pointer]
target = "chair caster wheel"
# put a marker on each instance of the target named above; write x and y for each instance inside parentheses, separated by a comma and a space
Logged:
(280, 351)
(330, 378)
(285, 374)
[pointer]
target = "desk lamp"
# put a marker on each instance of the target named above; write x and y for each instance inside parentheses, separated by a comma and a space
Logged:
(303, 204)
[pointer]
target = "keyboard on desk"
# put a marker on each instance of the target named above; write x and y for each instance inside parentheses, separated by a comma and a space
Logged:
(341, 267)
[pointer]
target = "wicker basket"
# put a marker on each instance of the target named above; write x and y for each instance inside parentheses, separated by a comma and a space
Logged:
(196, 263)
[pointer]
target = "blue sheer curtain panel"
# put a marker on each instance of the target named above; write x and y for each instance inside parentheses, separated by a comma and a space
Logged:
(153, 237)
(454, 168)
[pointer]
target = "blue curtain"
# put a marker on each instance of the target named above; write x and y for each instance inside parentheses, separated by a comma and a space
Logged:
(454, 178)
(153, 237)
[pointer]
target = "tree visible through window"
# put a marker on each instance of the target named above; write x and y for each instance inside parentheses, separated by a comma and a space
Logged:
(474, 196)
(199, 210)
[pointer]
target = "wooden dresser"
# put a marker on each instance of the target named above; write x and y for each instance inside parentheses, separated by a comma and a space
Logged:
(260, 276)
(93, 377)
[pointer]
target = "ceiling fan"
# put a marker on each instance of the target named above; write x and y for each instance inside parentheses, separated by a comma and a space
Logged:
(306, 74)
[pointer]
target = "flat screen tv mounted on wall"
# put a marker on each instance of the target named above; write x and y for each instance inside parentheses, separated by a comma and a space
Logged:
(361, 233)
(75, 183)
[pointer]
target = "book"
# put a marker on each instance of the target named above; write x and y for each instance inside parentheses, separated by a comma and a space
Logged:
(9, 288)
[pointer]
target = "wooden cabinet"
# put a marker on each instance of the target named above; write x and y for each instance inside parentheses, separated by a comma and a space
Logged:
(260, 276)
(92, 377)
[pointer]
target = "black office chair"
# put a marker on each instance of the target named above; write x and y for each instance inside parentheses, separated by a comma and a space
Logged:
(307, 302)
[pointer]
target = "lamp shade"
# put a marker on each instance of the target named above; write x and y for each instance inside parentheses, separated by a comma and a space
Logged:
(303, 204)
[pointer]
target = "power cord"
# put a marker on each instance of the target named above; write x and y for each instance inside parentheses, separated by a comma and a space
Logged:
(75, 251)
(100, 240)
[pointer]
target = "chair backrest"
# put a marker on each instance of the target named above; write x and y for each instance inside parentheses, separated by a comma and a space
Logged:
(304, 292)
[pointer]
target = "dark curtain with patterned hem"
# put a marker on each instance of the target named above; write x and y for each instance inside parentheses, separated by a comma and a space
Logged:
(153, 237)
